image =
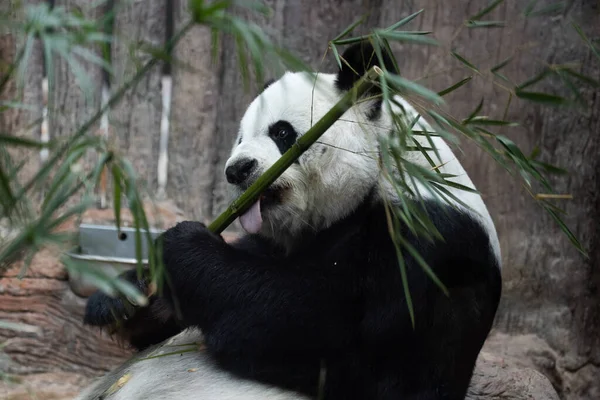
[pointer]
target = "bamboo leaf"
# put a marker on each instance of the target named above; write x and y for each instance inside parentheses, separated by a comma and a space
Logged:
(529, 7)
(10, 140)
(566, 230)
(404, 21)
(587, 41)
(423, 264)
(582, 77)
(455, 86)
(549, 9)
(474, 113)
(403, 84)
(406, 37)
(486, 10)
(534, 79)
(485, 24)
(543, 98)
(464, 61)
(572, 87)
(350, 28)
(481, 120)
(501, 65)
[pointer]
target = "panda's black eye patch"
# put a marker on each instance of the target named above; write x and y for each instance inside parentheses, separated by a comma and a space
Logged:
(283, 134)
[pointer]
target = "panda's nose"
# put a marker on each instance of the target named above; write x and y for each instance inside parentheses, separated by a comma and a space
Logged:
(240, 171)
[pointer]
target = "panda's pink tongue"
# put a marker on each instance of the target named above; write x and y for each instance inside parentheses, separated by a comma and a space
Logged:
(251, 220)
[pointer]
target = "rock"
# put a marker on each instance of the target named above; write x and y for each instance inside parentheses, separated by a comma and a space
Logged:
(495, 379)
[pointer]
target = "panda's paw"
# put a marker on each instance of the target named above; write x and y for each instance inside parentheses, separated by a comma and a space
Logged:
(102, 310)
(186, 235)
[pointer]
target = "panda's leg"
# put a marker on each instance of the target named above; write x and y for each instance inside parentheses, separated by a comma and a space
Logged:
(450, 332)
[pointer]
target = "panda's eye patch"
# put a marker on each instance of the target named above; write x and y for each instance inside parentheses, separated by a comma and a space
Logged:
(283, 134)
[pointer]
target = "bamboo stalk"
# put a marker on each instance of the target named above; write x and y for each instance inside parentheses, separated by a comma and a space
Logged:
(251, 194)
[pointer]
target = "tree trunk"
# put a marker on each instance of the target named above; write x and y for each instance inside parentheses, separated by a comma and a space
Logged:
(192, 137)
(22, 121)
(139, 26)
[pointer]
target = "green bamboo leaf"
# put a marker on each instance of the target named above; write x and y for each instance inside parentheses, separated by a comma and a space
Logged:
(572, 87)
(406, 37)
(10, 140)
(389, 50)
(336, 55)
(131, 292)
(455, 86)
(94, 276)
(351, 40)
(587, 41)
(464, 61)
(582, 77)
(485, 24)
(535, 79)
(474, 113)
(459, 186)
(419, 259)
(549, 9)
(543, 98)
(405, 287)
(502, 64)
(404, 84)
(482, 120)
(350, 28)
(486, 10)
(445, 194)
(404, 21)
(549, 168)
(511, 147)
(529, 7)
(88, 55)
(566, 230)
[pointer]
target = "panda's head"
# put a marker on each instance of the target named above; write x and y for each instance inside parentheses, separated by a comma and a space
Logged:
(333, 176)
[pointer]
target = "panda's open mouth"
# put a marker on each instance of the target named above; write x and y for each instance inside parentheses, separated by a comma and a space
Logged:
(251, 220)
(271, 196)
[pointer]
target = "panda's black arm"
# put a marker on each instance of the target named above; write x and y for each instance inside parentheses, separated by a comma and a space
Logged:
(253, 305)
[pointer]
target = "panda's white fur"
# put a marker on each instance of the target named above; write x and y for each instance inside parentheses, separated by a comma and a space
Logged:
(350, 164)
(316, 200)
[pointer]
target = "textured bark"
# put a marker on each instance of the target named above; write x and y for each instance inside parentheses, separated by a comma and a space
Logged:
(192, 137)
(136, 118)
(69, 105)
(20, 121)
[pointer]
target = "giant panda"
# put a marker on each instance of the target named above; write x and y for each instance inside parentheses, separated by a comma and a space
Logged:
(310, 302)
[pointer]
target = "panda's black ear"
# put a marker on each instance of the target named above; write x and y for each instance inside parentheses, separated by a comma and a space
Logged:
(361, 57)
(268, 83)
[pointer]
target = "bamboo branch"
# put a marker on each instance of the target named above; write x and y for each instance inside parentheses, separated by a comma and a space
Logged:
(251, 194)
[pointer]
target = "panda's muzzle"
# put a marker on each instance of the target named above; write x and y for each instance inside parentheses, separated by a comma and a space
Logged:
(239, 172)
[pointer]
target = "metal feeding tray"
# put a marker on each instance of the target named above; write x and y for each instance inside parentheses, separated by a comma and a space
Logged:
(108, 249)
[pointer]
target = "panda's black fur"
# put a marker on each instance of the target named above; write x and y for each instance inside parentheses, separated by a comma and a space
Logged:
(333, 303)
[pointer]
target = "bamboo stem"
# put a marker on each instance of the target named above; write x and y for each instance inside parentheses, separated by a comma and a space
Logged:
(251, 194)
